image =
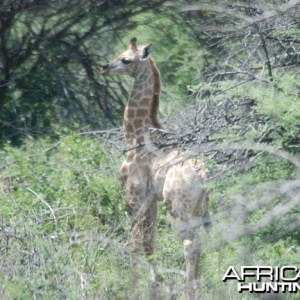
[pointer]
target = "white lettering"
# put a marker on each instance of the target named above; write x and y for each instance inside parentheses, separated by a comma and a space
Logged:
(242, 286)
(287, 268)
(298, 275)
(268, 287)
(258, 288)
(296, 287)
(276, 274)
(271, 286)
(227, 275)
(244, 270)
(284, 286)
(278, 279)
(265, 271)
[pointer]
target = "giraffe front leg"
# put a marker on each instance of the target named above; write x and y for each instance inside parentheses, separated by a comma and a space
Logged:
(142, 236)
(149, 247)
(135, 243)
(142, 209)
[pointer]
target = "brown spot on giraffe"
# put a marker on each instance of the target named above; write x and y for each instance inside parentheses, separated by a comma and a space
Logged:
(145, 102)
(138, 123)
(142, 113)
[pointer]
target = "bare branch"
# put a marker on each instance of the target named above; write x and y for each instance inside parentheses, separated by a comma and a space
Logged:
(281, 9)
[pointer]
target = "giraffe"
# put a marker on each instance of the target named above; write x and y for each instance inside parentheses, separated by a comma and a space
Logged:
(150, 175)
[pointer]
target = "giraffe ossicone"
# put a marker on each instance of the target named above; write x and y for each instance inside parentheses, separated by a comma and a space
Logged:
(150, 175)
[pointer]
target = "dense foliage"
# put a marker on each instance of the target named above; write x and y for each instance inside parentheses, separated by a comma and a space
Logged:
(230, 94)
(50, 55)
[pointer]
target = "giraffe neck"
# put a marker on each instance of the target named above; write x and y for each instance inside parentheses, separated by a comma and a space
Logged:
(142, 107)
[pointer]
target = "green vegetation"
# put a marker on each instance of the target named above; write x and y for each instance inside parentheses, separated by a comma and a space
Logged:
(63, 222)
(59, 201)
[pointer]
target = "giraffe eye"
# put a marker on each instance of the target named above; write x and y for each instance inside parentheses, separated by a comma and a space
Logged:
(126, 61)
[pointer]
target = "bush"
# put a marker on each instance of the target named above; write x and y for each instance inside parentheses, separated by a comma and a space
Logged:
(58, 203)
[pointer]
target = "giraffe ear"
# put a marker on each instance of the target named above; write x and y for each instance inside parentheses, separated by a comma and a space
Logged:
(146, 51)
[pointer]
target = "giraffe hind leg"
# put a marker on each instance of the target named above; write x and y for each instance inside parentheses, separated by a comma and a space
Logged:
(192, 251)
(189, 234)
(203, 212)
(186, 226)
(188, 217)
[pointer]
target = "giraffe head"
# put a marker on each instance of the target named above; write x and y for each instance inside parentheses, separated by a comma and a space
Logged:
(130, 61)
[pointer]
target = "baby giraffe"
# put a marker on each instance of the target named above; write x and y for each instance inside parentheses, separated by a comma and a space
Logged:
(150, 174)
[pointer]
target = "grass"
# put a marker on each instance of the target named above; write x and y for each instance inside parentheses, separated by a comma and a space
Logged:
(64, 227)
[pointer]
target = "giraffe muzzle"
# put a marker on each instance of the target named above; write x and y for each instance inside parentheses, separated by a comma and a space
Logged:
(104, 70)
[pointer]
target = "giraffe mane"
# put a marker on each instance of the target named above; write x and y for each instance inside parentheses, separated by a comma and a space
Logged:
(156, 95)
